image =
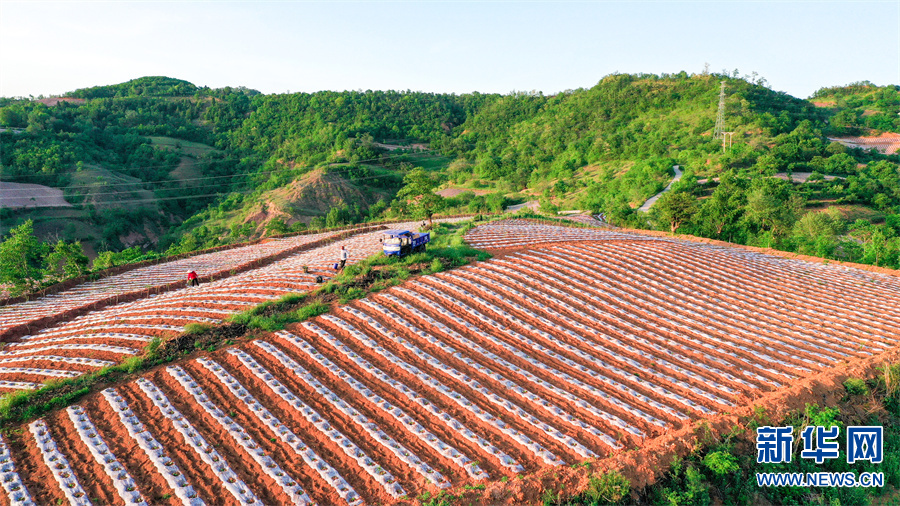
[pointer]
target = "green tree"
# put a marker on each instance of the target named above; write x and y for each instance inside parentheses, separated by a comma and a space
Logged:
(878, 242)
(67, 260)
(547, 204)
(676, 208)
(817, 224)
(10, 117)
(816, 233)
(418, 194)
(723, 210)
(840, 163)
(772, 206)
(338, 216)
(277, 226)
(495, 202)
(21, 259)
(377, 208)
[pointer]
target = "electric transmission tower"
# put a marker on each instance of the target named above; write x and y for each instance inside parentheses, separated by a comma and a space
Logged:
(720, 116)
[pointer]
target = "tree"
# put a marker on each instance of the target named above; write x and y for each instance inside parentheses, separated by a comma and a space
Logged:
(723, 209)
(547, 204)
(816, 232)
(879, 245)
(676, 208)
(277, 226)
(418, 194)
(67, 260)
(20, 259)
(772, 206)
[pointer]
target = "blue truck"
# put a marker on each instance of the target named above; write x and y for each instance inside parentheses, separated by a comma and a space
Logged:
(403, 242)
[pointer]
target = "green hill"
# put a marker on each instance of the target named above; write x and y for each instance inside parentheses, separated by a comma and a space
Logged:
(861, 106)
(142, 87)
(218, 165)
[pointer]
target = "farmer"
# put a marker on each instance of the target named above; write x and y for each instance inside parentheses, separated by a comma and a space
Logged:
(344, 256)
(193, 280)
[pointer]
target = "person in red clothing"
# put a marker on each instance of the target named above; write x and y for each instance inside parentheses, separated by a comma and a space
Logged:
(192, 279)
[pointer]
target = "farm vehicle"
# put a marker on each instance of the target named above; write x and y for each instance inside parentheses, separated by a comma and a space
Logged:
(400, 243)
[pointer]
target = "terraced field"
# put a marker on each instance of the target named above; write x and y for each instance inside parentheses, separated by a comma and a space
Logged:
(107, 336)
(589, 344)
(521, 233)
(145, 278)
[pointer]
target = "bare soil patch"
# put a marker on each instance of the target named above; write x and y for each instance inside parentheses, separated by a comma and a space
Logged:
(887, 143)
(452, 192)
(22, 195)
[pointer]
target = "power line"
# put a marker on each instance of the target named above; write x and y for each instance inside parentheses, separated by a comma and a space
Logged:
(166, 198)
(136, 201)
(204, 177)
(93, 194)
(129, 192)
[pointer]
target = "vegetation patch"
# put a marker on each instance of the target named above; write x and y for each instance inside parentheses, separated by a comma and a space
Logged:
(723, 469)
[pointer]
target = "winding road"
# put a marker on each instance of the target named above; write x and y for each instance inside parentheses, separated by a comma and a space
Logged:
(652, 200)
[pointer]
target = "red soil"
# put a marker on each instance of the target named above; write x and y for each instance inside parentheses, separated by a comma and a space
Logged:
(317, 489)
(445, 378)
(495, 386)
(128, 453)
(408, 478)
(486, 460)
(322, 445)
(248, 470)
(197, 473)
(36, 476)
(387, 423)
(88, 471)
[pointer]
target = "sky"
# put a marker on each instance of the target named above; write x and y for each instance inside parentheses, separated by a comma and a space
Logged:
(52, 47)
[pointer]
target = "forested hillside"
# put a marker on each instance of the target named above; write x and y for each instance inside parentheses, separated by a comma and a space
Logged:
(161, 164)
(861, 106)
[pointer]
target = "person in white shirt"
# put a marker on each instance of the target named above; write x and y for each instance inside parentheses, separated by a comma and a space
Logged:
(344, 256)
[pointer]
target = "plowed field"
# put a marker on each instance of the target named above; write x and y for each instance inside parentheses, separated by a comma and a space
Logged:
(145, 278)
(106, 336)
(540, 357)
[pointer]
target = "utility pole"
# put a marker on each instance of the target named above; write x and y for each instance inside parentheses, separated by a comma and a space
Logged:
(726, 140)
(720, 116)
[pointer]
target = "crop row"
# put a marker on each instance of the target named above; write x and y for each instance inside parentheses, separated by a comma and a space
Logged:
(521, 233)
(146, 277)
(104, 337)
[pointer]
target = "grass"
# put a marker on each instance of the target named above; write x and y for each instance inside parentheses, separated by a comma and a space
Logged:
(194, 149)
(196, 328)
(24, 405)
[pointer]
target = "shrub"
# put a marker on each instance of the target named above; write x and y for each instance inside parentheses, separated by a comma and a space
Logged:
(607, 488)
(856, 386)
(721, 463)
(196, 328)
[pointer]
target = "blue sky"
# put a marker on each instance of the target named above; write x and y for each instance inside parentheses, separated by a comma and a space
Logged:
(501, 46)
